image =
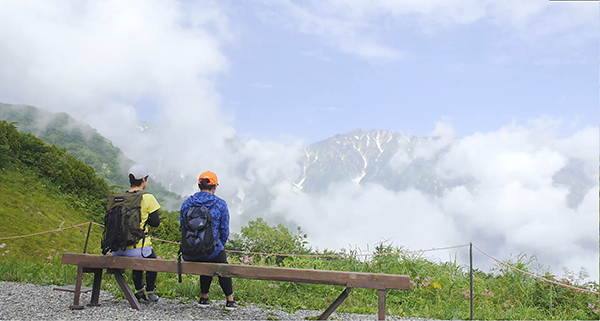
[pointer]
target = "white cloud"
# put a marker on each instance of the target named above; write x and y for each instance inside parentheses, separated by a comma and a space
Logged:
(353, 216)
(98, 60)
(271, 161)
(443, 135)
(512, 153)
(509, 205)
(401, 160)
(69, 54)
(582, 145)
(357, 27)
(338, 32)
(545, 18)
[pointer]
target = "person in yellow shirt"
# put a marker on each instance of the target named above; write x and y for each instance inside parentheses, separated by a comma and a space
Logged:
(138, 179)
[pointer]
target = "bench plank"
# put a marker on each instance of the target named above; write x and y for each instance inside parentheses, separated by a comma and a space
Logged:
(355, 279)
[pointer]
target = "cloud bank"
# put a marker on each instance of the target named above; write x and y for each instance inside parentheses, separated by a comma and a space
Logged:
(107, 64)
(511, 202)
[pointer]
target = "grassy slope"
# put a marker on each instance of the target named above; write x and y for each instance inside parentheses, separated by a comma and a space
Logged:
(31, 204)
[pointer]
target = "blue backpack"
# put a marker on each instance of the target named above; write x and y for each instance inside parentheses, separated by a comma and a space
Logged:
(197, 237)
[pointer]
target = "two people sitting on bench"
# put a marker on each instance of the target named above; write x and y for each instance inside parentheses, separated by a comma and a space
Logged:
(204, 208)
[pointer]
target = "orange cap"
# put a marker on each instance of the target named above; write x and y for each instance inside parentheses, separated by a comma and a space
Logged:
(210, 176)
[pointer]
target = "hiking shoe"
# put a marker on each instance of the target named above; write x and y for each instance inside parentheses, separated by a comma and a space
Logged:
(203, 303)
(140, 295)
(230, 306)
(151, 296)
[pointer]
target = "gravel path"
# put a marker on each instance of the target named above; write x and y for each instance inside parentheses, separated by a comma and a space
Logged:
(35, 302)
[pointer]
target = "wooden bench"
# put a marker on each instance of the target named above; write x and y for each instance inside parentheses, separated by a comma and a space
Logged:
(90, 263)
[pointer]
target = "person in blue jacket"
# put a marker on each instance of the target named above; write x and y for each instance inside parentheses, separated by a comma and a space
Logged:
(208, 182)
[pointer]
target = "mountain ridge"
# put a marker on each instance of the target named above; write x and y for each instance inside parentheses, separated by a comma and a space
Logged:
(364, 157)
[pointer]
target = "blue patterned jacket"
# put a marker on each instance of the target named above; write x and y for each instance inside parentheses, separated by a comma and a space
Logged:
(219, 214)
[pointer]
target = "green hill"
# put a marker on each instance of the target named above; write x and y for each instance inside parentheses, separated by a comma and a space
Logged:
(44, 188)
(84, 143)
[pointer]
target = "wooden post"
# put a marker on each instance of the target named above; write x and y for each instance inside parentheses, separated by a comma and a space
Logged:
(335, 304)
(96, 288)
(76, 305)
(471, 277)
(125, 288)
(381, 305)
(87, 238)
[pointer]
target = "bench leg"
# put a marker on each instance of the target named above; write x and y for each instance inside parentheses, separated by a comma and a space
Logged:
(76, 305)
(96, 288)
(125, 288)
(381, 304)
(335, 304)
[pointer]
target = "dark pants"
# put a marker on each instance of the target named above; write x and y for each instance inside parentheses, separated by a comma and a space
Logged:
(226, 283)
(138, 277)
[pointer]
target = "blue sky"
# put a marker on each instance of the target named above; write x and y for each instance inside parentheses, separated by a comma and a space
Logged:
(312, 69)
(480, 75)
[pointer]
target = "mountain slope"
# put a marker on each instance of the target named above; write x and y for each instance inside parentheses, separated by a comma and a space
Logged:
(84, 143)
(368, 157)
(399, 162)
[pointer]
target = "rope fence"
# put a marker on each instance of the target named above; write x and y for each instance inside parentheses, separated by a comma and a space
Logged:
(535, 276)
(60, 229)
(344, 255)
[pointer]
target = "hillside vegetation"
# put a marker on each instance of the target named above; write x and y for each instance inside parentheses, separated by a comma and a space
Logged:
(84, 143)
(44, 188)
(33, 158)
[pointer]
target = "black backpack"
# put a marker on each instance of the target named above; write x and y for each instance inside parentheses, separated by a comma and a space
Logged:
(197, 237)
(122, 222)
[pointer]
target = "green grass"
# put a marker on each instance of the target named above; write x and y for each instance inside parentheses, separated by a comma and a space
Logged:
(511, 296)
(30, 204)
